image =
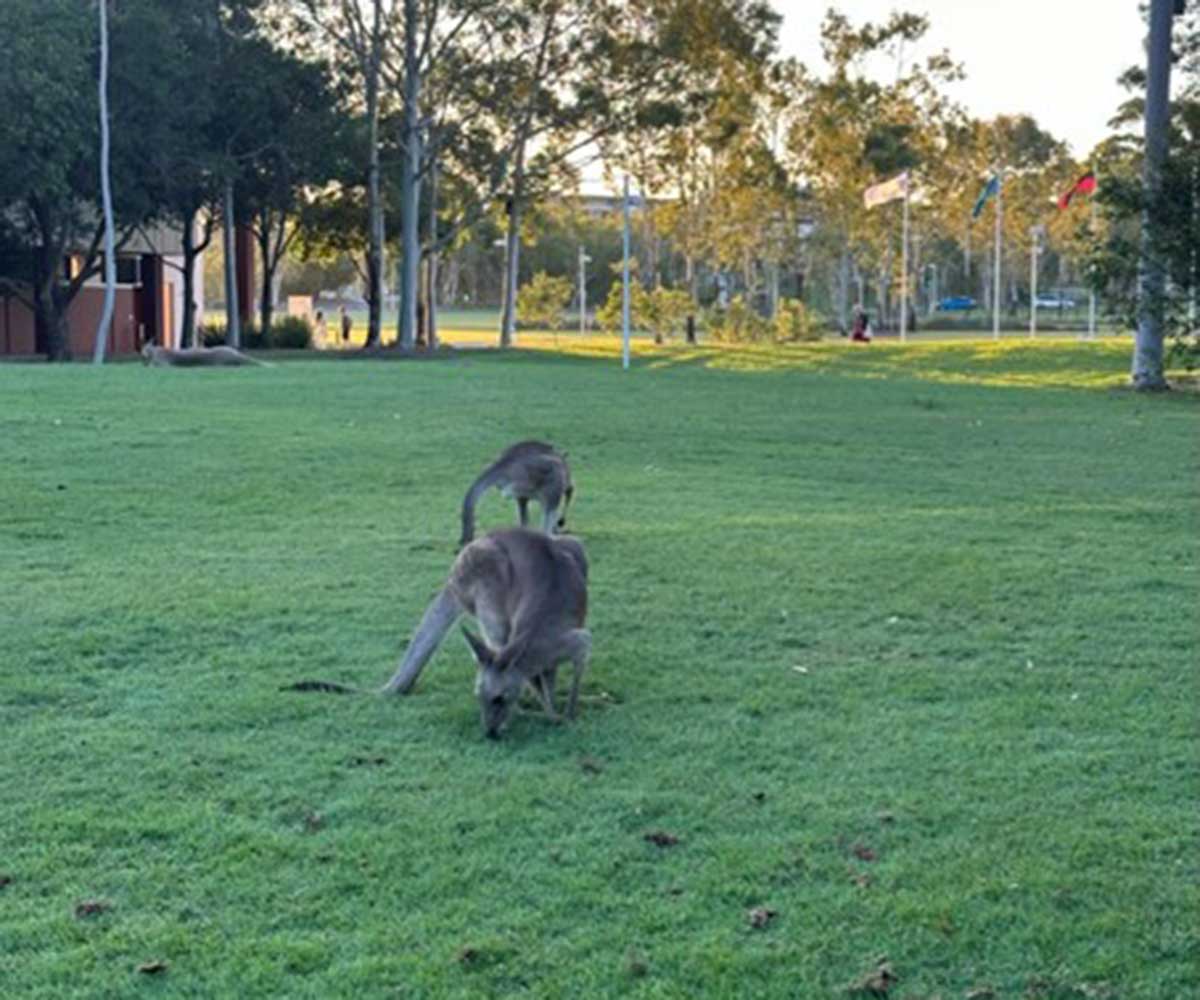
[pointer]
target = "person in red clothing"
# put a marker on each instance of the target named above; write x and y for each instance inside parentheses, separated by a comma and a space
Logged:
(862, 326)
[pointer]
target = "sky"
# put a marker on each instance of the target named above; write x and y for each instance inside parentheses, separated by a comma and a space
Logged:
(1056, 60)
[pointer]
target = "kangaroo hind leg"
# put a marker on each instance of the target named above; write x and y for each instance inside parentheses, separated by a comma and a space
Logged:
(579, 650)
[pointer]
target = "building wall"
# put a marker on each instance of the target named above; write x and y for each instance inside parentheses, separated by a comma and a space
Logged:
(83, 316)
(134, 315)
(16, 327)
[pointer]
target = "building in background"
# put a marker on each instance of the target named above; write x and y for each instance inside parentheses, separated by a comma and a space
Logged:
(149, 300)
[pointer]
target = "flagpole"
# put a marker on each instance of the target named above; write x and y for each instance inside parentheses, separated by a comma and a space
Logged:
(1033, 276)
(1092, 276)
(904, 266)
(996, 280)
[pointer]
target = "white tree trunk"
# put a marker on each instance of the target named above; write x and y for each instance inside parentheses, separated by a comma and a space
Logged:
(1146, 370)
(110, 263)
(409, 191)
(512, 254)
(233, 331)
(375, 230)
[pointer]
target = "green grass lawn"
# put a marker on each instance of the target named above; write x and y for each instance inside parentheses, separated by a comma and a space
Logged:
(900, 646)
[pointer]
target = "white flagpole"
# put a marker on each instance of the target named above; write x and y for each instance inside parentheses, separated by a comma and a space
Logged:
(996, 280)
(904, 266)
(1092, 275)
(625, 284)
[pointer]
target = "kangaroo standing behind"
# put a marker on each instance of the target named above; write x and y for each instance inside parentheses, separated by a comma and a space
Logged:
(528, 591)
(529, 470)
(197, 357)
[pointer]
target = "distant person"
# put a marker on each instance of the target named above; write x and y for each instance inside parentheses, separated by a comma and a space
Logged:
(346, 325)
(862, 326)
(320, 333)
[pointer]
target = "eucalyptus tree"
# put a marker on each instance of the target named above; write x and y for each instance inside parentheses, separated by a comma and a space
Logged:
(705, 156)
(110, 263)
(355, 37)
(303, 145)
(49, 170)
(850, 131)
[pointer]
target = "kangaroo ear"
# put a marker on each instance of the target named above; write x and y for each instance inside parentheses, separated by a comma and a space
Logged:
(479, 648)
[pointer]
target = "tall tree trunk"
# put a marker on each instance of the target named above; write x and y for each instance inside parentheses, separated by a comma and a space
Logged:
(512, 253)
(110, 263)
(843, 299)
(375, 233)
(51, 336)
(409, 189)
(431, 315)
(187, 330)
(1146, 371)
(266, 299)
(191, 252)
(233, 328)
(50, 322)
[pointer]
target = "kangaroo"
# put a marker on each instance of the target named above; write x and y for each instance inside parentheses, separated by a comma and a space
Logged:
(528, 470)
(528, 592)
(197, 357)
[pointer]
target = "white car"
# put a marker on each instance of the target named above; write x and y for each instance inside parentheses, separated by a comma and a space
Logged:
(1055, 302)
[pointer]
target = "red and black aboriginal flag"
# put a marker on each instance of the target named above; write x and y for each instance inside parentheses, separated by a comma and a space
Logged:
(1085, 185)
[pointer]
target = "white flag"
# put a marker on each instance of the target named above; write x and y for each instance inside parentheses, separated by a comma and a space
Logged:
(881, 194)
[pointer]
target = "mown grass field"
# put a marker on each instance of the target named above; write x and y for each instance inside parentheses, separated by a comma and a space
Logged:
(897, 645)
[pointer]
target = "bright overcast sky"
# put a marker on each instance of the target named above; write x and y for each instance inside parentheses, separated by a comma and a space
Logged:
(1056, 60)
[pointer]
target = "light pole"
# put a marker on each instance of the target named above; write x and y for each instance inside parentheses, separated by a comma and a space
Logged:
(584, 259)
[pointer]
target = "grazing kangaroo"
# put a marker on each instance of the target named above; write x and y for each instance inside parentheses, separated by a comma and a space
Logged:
(529, 470)
(528, 591)
(197, 357)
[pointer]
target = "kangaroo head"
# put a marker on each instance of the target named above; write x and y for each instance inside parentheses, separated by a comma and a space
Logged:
(497, 685)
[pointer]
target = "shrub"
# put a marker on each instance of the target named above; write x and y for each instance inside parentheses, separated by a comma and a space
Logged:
(662, 312)
(543, 301)
(291, 332)
(793, 321)
(288, 332)
(738, 323)
(666, 309)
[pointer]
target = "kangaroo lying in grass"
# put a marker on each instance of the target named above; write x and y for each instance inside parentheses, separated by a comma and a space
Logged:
(528, 591)
(197, 357)
(529, 470)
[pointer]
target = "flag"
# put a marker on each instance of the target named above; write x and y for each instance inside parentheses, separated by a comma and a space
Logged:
(990, 188)
(881, 194)
(1085, 185)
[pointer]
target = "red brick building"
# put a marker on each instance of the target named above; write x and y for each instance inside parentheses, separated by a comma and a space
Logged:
(149, 302)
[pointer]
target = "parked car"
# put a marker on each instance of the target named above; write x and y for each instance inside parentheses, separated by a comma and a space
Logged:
(956, 303)
(1053, 301)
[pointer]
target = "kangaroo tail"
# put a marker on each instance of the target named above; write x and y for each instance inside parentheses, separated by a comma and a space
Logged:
(441, 614)
(487, 479)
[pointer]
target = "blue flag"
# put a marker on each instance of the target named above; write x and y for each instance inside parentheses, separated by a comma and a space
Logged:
(990, 188)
